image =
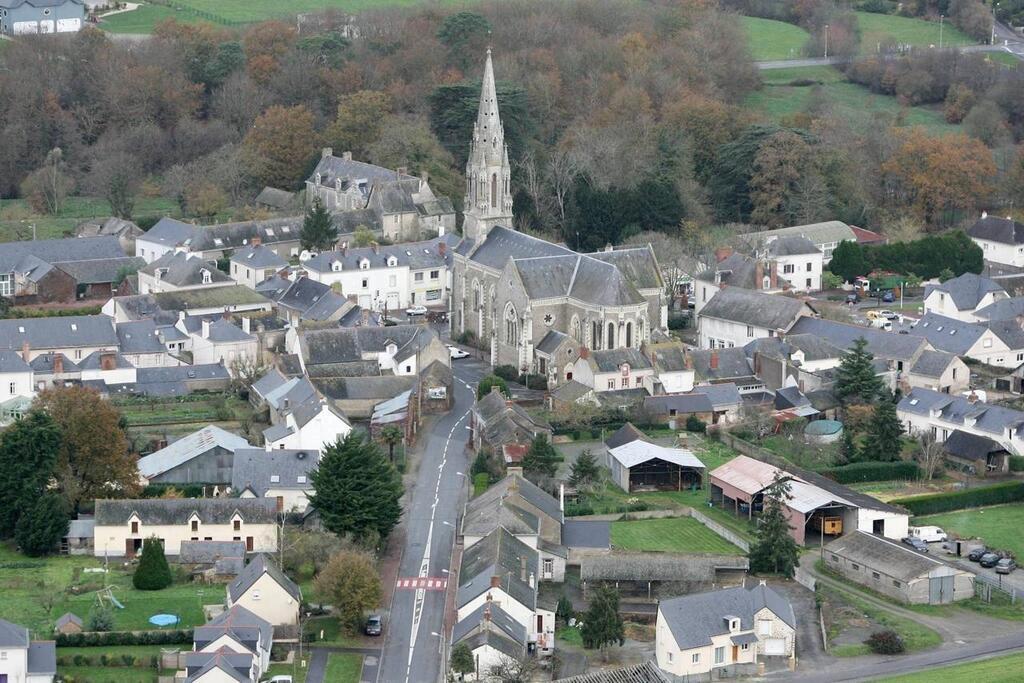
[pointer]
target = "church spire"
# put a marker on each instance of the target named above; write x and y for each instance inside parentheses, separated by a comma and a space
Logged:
(488, 199)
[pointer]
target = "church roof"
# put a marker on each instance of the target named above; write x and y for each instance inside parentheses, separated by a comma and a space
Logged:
(503, 243)
(638, 264)
(576, 276)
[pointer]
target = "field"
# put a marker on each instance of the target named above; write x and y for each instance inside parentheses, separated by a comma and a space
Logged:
(999, 526)
(235, 12)
(886, 28)
(16, 215)
(915, 636)
(995, 670)
(855, 104)
(344, 668)
(670, 535)
(770, 40)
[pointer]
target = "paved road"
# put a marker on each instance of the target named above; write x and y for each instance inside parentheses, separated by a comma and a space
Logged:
(317, 671)
(1012, 45)
(415, 625)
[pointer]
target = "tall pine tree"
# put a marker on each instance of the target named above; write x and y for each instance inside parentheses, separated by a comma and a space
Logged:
(356, 489)
(774, 550)
(856, 381)
(153, 572)
(602, 625)
(541, 460)
(28, 458)
(41, 525)
(318, 230)
(882, 442)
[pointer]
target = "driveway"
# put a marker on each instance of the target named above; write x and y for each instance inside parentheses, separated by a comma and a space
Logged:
(317, 671)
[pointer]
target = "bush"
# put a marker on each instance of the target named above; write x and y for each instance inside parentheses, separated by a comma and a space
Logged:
(695, 424)
(506, 372)
(1017, 463)
(484, 387)
(100, 619)
(885, 643)
(153, 572)
(118, 638)
(872, 471)
(538, 382)
(678, 321)
(480, 483)
(1008, 492)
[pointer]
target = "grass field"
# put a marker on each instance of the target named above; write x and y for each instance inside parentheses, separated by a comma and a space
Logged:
(915, 636)
(16, 214)
(670, 535)
(996, 670)
(108, 674)
(237, 12)
(344, 668)
(768, 39)
(999, 527)
(861, 108)
(886, 28)
(297, 672)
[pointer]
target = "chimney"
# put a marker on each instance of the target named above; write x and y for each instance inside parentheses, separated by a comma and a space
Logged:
(246, 325)
(533, 579)
(256, 241)
(609, 247)
(561, 497)
(286, 403)
(25, 348)
(376, 247)
(206, 329)
(773, 273)
(108, 361)
(424, 179)
(495, 582)
(518, 471)
(181, 315)
(402, 170)
(508, 403)
(722, 253)
(347, 156)
(442, 248)
(522, 569)
(713, 364)
(759, 275)
(58, 363)
(972, 397)
(326, 152)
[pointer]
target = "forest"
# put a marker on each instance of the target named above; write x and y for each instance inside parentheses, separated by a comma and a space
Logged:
(622, 117)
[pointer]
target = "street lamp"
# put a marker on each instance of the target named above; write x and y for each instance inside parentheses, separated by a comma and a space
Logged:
(942, 18)
(826, 41)
(995, 6)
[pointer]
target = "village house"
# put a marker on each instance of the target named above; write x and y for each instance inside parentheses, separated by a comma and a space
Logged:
(497, 421)
(124, 230)
(611, 369)
(825, 236)
(76, 336)
(240, 631)
(297, 299)
(962, 296)
(999, 342)
(178, 270)
(222, 666)
(925, 410)
(735, 317)
(23, 660)
(64, 270)
(283, 475)
(122, 525)
(1001, 239)
(264, 590)
(166, 307)
(255, 263)
(145, 344)
(368, 351)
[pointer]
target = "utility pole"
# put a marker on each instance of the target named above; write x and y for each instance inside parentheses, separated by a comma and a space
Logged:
(942, 18)
(826, 41)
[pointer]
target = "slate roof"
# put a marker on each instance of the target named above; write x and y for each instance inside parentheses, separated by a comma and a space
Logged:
(415, 255)
(768, 311)
(100, 271)
(174, 380)
(668, 356)
(256, 469)
(94, 361)
(627, 433)
(645, 672)
(791, 245)
(348, 345)
(275, 198)
(97, 227)
(1004, 309)
(499, 619)
(67, 618)
(503, 243)
(393, 196)
(496, 640)
(162, 511)
(948, 334)
(694, 619)
(58, 332)
(932, 363)
(350, 172)
(610, 360)
(790, 397)
(24, 256)
(230, 664)
(207, 297)
(11, 361)
(733, 363)
(500, 419)
(997, 229)
(259, 256)
(970, 446)
(738, 270)
(259, 566)
(813, 347)
(1009, 332)
(882, 554)
(638, 264)
(571, 391)
(187, 448)
(145, 336)
(881, 344)
(966, 290)
(213, 552)
(43, 364)
(578, 277)
(990, 418)
(184, 270)
(169, 232)
(499, 554)
(551, 341)
(533, 494)
(683, 404)
(42, 657)
(238, 235)
(483, 517)
(13, 635)
(237, 622)
(364, 388)
(584, 533)
(721, 396)
(222, 331)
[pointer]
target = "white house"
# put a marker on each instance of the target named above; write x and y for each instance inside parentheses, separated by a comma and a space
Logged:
(301, 419)
(1001, 240)
(961, 296)
(283, 475)
(614, 369)
(218, 340)
(363, 351)
(999, 342)
(939, 371)
(735, 317)
(75, 336)
(178, 270)
(240, 631)
(797, 260)
(15, 377)
(698, 633)
(673, 369)
(492, 635)
(122, 525)
(223, 666)
(110, 367)
(264, 590)
(254, 264)
(924, 410)
(23, 660)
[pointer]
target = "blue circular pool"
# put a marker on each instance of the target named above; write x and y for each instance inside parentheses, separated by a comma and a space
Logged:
(163, 620)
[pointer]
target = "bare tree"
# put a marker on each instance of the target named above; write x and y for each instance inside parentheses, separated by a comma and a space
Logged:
(674, 256)
(562, 170)
(245, 370)
(931, 454)
(518, 670)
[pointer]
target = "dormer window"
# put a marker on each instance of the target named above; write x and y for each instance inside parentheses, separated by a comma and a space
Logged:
(218, 242)
(336, 266)
(364, 264)
(135, 526)
(392, 262)
(237, 524)
(275, 479)
(207, 278)
(913, 401)
(301, 479)
(317, 178)
(392, 349)
(270, 232)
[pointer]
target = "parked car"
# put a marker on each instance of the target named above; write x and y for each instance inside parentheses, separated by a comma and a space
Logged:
(1005, 565)
(280, 679)
(456, 353)
(977, 553)
(916, 543)
(989, 560)
(853, 298)
(374, 625)
(888, 297)
(889, 315)
(929, 534)
(416, 310)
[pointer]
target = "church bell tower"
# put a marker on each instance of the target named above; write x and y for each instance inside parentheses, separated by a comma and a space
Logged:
(488, 199)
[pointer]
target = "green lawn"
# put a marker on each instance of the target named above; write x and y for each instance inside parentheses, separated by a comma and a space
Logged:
(1004, 58)
(344, 668)
(107, 674)
(569, 635)
(820, 74)
(886, 29)
(16, 214)
(770, 39)
(296, 671)
(996, 670)
(999, 527)
(143, 19)
(915, 636)
(853, 103)
(671, 534)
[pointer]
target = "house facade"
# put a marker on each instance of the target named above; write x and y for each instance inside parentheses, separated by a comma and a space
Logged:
(925, 410)
(1001, 239)
(33, 17)
(735, 317)
(962, 296)
(265, 591)
(23, 660)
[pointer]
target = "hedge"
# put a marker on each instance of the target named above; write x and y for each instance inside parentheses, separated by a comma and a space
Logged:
(1007, 492)
(108, 638)
(1017, 463)
(872, 471)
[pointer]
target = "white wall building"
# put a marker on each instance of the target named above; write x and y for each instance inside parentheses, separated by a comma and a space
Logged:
(923, 410)
(23, 660)
(735, 317)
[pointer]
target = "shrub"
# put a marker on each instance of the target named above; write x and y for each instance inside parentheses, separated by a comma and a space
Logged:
(695, 424)
(538, 382)
(481, 481)
(484, 387)
(677, 321)
(100, 619)
(506, 372)
(118, 638)
(1017, 463)
(872, 471)
(1007, 492)
(886, 642)
(153, 572)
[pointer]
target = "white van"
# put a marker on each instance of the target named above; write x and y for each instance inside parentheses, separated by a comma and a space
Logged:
(928, 534)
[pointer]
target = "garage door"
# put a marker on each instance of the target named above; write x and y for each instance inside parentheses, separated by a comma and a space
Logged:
(775, 646)
(940, 590)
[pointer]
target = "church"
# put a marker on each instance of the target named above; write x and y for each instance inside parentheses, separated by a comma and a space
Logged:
(534, 303)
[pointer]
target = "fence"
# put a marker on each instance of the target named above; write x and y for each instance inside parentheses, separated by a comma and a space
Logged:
(992, 589)
(209, 16)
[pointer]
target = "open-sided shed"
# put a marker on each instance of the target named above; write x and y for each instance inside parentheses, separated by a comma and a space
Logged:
(642, 466)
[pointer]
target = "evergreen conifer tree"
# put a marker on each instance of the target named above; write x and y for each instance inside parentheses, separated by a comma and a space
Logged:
(774, 550)
(585, 472)
(153, 572)
(356, 489)
(318, 230)
(541, 460)
(856, 381)
(602, 624)
(848, 447)
(882, 442)
(41, 525)
(28, 459)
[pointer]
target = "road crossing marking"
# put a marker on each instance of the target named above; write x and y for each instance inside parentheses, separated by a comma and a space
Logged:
(424, 582)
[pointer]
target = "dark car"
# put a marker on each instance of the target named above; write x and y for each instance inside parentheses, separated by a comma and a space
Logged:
(853, 298)
(1005, 565)
(989, 560)
(976, 554)
(916, 543)
(888, 297)
(374, 625)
